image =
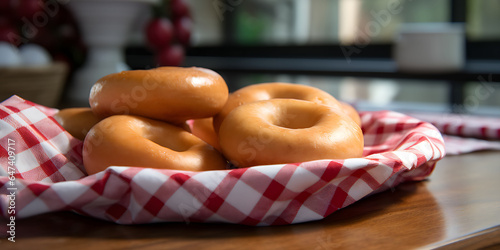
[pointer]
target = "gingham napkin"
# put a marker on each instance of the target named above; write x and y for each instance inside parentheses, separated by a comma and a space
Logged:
(49, 176)
(465, 133)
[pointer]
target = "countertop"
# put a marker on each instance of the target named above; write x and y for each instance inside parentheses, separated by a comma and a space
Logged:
(458, 207)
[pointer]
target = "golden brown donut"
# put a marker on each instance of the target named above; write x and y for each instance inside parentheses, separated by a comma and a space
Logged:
(282, 131)
(171, 94)
(204, 129)
(351, 112)
(266, 91)
(77, 121)
(125, 140)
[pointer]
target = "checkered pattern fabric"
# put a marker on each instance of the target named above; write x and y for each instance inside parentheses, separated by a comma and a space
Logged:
(456, 145)
(464, 125)
(48, 176)
(465, 133)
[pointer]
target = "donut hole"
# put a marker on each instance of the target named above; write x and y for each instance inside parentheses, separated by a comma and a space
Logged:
(296, 117)
(166, 139)
(171, 143)
(288, 93)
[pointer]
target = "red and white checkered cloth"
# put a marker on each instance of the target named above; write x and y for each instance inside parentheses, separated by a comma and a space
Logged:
(465, 133)
(49, 176)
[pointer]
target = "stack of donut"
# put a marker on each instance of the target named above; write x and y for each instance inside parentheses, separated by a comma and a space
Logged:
(138, 118)
(185, 119)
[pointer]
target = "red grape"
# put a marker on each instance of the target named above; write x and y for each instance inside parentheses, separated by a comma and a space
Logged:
(5, 6)
(47, 23)
(171, 56)
(45, 38)
(9, 34)
(180, 8)
(28, 8)
(5, 22)
(183, 30)
(159, 32)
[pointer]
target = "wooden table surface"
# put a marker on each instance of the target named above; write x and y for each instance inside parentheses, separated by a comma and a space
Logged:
(457, 207)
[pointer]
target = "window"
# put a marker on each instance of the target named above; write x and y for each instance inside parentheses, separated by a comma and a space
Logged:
(483, 20)
(300, 22)
(302, 41)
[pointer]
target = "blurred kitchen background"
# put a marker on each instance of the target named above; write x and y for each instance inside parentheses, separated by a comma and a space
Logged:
(404, 55)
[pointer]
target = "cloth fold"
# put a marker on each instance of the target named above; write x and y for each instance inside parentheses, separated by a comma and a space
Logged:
(465, 133)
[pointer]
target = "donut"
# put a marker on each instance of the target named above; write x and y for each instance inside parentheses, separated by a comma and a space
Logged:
(266, 91)
(351, 112)
(204, 129)
(127, 140)
(77, 121)
(172, 94)
(279, 131)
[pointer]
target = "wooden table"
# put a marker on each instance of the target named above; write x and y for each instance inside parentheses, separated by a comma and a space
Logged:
(458, 207)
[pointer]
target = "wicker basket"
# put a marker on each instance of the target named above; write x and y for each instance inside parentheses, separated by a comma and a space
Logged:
(40, 84)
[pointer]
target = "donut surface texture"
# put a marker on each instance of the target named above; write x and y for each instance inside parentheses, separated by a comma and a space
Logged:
(204, 129)
(351, 112)
(77, 121)
(273, 90)
(171, 94)
(124, 140)
(279, 131)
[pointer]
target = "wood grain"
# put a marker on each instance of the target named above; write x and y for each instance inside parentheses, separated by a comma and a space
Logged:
(457, 207)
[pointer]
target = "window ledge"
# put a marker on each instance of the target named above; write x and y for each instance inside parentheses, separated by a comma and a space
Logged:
(386, 68)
